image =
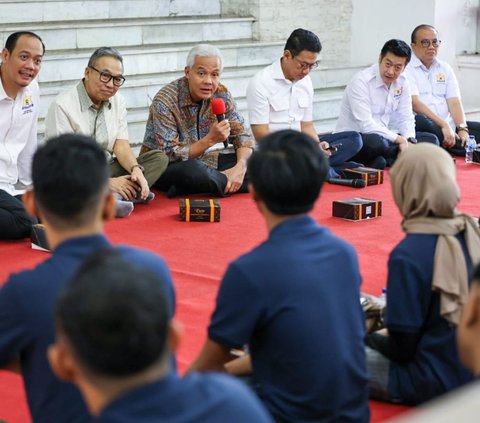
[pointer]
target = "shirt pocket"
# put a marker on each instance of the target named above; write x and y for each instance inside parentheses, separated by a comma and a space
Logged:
(440, 88)
(303, 102)
(279, 109)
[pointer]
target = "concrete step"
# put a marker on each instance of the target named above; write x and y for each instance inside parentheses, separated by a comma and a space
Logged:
(30, 12)
(88, 35)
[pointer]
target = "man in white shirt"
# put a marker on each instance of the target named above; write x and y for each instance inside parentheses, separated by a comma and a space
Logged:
(435, 93)
(93, 107)
(280, 96)
(372, 98)
(19, 105)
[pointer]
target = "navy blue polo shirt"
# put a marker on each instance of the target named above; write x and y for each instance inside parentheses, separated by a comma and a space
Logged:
(196, 398)
(295, 300)
(413, 307)
(27, 325)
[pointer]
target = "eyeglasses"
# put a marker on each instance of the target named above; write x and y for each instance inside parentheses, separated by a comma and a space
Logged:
(305, 66)
(105, 77)
(427, 43)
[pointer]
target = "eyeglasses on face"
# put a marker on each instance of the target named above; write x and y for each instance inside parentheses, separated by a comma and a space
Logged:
(304, 65)
(426, 43)
(105, 77)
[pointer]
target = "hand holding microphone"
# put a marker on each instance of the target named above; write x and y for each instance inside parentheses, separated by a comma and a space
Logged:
(219, 109)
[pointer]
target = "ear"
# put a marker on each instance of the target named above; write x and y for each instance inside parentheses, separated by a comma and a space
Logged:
(29, 203)
(109, 206)
(87, 72)
(5, 54)
(287, 54)
(187, 72)
(61, 363)
(175, 335)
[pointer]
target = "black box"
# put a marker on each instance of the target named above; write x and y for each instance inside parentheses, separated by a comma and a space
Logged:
(369, 175)
(199, 210)
(38, 238)
(357, 208)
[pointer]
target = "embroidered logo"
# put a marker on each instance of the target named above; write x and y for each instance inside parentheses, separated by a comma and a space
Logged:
(397, 92)
(27, 104)
(440, 77)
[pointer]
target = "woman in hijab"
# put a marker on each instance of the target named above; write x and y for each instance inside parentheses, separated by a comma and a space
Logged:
(415, 358)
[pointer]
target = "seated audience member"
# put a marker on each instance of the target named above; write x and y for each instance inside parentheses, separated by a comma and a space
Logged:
(94, 107)
(462, 404)
(19, 104)
(427, 286)
(281, 97)
(303, 324)
(71, 196)
(375, 96)
(114, 340)
(435, 93)
(181, 123)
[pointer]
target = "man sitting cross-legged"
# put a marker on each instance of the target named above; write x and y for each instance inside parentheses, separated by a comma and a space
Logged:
(295, 298)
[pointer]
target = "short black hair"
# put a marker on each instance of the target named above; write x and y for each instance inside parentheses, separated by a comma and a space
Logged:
(13, 38)
(413, 37)
(302, 39)
(114, 316)
(70, 177)
(288, 171)
(397, 47)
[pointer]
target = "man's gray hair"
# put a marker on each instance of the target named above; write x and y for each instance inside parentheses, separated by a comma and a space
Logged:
(102, 52)
(204, 50)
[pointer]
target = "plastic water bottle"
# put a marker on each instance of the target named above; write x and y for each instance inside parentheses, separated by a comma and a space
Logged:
(470, 145)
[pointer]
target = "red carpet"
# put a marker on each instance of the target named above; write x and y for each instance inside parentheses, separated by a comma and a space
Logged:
(198, 254)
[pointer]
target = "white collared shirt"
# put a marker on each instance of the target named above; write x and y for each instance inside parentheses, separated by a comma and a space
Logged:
(18, 137)
(68, 114)
(368, 106)
(433, 85)
(274, 100)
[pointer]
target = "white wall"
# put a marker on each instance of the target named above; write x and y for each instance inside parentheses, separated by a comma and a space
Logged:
(376, 21)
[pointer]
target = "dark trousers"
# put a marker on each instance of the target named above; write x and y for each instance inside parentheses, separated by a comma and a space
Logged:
(425, 124)
(377, 149)
(349, 144)
(15, 223)
(195, 177)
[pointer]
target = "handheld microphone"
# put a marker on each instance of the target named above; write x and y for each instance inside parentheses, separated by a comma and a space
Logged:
(219, 109)
(354, 183)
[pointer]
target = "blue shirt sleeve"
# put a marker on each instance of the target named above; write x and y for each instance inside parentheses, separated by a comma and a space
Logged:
(238, 310)
(14, 333)
(408, 294)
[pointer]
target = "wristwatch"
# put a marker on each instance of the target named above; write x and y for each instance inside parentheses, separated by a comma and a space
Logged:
(412, 140)
(137, 165)
(463, 127)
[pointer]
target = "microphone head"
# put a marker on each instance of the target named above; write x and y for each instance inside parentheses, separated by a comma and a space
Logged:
(358, 183)
(218, 106)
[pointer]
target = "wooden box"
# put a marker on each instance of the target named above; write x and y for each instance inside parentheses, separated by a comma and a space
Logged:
(369, 175)
(199, 210)
(357, 209)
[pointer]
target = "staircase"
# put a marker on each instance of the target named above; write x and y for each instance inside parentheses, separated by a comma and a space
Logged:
(154, 37)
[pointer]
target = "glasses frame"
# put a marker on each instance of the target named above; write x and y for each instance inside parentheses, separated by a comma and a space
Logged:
(427, 43)
(305, 66)
(106, 77)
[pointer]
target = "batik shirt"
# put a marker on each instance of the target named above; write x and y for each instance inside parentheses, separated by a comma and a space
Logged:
(175, 122)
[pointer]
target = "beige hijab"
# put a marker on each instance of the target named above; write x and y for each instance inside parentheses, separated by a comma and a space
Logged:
(426, 192)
